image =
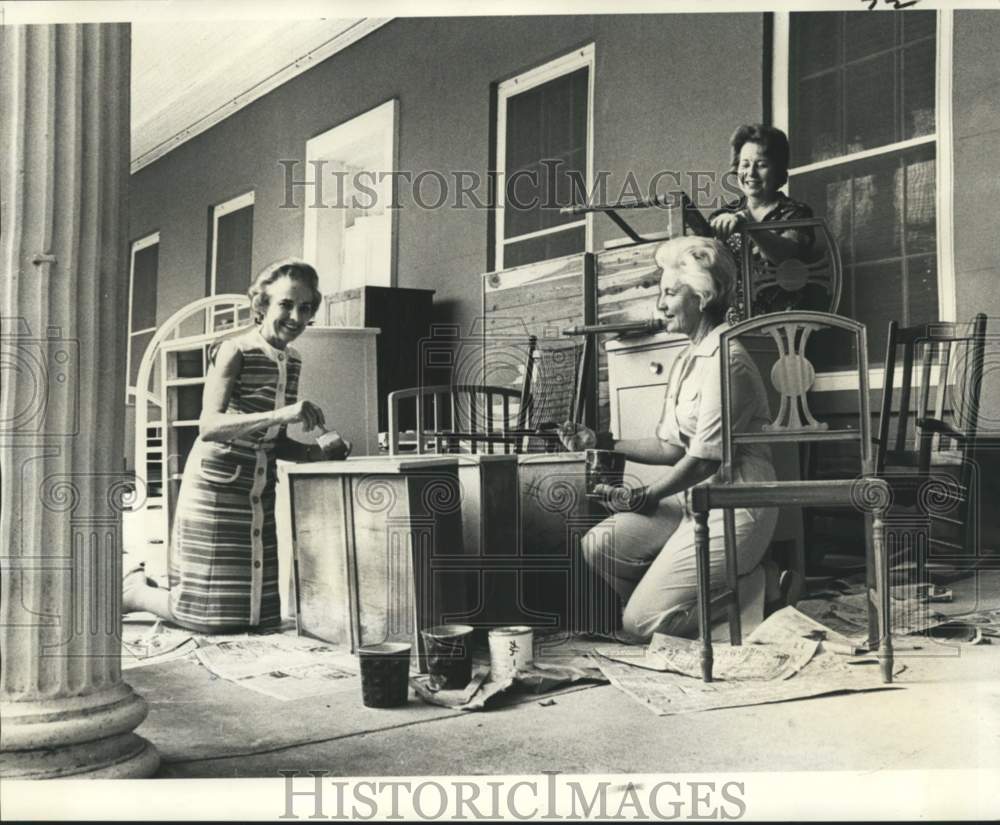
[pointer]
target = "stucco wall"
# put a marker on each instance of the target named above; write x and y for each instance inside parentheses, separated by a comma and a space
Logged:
(659, 105)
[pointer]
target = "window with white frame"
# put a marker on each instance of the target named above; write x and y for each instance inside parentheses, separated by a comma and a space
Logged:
(143, 272)
(351, 242)
(232, 246)
(544, 151)
(860, 95)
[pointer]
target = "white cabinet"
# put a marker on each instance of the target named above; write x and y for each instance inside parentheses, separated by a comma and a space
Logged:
(638, 368)
(339, 374)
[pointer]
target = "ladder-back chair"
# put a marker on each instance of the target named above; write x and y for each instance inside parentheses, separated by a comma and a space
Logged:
(458, 418)
(929, 433)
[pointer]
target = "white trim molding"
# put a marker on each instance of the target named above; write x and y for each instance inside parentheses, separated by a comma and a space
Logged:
(577, 59)
(944, 100)
(153, 239)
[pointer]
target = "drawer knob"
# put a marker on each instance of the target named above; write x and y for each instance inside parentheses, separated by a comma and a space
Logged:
(656, 367)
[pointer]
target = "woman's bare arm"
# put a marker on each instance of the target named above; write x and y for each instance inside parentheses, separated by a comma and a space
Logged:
(649, 450)
(686, 473)
(215, 423)
(777, 248)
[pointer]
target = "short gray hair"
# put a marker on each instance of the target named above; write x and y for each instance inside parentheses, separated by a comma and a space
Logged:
(704, 264)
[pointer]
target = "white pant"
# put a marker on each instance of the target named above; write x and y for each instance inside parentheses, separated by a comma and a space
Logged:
(650, 562)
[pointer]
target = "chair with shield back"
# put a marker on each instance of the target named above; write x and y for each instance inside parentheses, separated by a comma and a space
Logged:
(810, 282)
(930, 443)
(795, 338)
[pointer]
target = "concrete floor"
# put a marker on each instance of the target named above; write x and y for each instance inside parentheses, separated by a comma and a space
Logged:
(944, 715)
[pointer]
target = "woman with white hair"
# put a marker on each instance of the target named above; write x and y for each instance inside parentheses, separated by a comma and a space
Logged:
(646, 549)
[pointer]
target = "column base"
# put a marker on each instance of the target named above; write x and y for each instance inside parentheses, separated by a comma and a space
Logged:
(126, 756)
(76, 736)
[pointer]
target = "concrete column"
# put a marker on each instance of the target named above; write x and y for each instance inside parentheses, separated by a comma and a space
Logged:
(64, 138)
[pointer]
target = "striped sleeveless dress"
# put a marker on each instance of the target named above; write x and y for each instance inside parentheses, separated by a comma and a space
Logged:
(224, 556)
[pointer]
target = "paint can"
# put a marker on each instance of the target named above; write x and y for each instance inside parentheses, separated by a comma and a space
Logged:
(511, 648)
(604, 467)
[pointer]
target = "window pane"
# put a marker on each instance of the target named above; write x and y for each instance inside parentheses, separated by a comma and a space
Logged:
(144, 272)
(233, 251)
(921, 203)
(816, 39)
(878, 201)
(829, 195)
(816, 133)
(544, 247)
(922, 289)
(866, 34)
(918, 89)
(879, 300)
(871, 111)
(546, 154)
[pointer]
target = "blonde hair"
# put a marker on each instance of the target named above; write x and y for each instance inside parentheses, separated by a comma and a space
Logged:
(288, 267)
(704, 264)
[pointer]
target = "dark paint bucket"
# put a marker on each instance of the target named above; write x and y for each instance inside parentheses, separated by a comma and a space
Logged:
(385, 674)
(449, 655)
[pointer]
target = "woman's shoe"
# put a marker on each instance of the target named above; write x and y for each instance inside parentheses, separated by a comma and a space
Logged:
(133, 581)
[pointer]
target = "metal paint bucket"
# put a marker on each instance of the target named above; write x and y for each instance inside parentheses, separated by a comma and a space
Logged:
(511, 648)
(604, 467)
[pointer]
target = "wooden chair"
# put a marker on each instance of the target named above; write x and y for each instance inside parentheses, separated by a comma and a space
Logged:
(929, 433)
(792, 375)
(549, 394)
(812, 282)
(459, 418)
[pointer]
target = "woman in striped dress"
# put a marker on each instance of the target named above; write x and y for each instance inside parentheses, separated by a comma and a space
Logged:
(224, 559)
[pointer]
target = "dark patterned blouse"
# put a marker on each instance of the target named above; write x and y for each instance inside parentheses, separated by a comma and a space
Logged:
(774, 298)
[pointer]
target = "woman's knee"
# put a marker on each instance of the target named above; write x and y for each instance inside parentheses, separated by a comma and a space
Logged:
(592, 547)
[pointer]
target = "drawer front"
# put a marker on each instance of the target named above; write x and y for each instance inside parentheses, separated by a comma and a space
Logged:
(637, 379)
(639, 367)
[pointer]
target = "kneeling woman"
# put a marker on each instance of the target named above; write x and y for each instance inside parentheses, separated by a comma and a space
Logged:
(646, 549)
(224, 562)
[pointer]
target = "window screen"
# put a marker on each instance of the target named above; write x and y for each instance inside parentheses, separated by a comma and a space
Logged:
(545, 167)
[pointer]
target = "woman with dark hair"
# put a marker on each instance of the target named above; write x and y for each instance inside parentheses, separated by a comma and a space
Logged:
(760, 159)
(223, 560)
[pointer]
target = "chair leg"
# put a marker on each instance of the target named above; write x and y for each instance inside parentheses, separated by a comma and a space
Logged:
(885, 602)
(871, 583)
(733, 606)
(704, 601)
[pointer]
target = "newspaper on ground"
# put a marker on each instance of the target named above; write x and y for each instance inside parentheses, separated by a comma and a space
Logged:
(742, 677)
(301, 682)
(240, 657)
(848, 614)
(667, 693)
(751, 661)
